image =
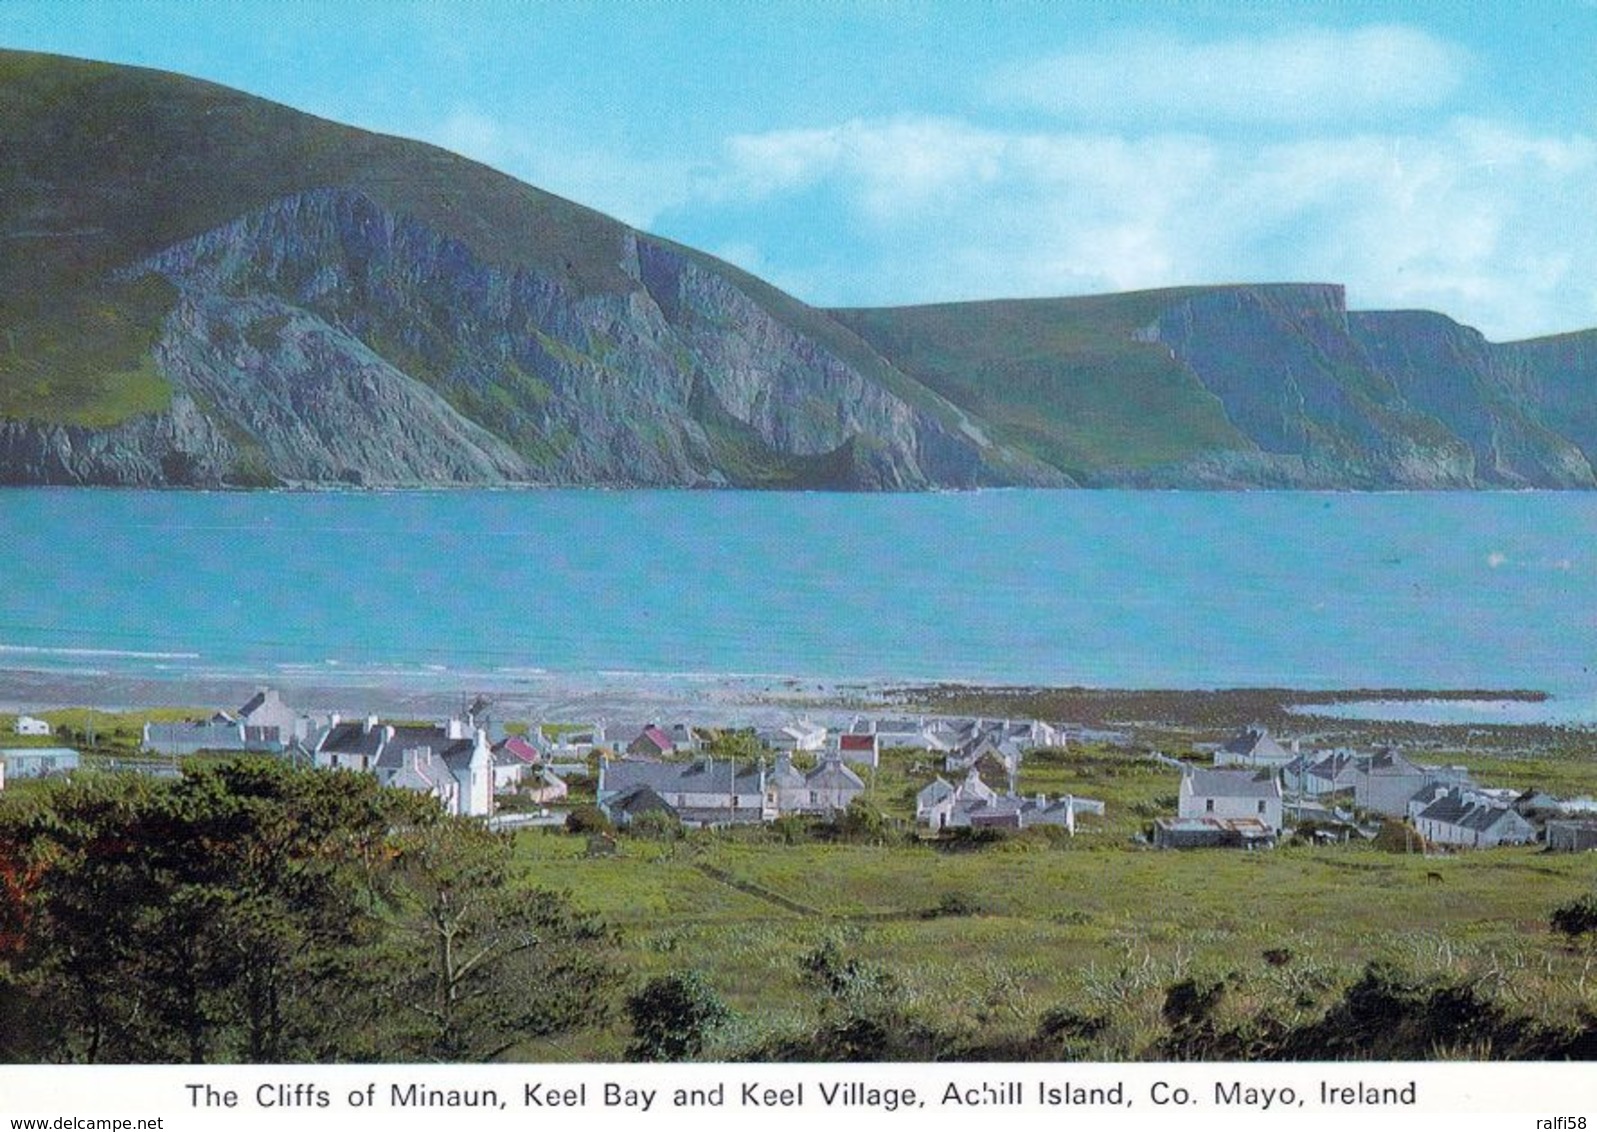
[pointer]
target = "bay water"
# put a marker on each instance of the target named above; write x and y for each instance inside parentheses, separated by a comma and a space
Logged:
(1104, 589)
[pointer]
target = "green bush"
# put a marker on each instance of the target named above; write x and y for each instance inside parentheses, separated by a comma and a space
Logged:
(1577, 919)
(673, 1016)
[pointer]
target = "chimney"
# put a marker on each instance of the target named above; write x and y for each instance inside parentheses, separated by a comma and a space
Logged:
(371, 724)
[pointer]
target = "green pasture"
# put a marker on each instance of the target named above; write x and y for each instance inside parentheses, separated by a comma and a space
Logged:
(1100, 932)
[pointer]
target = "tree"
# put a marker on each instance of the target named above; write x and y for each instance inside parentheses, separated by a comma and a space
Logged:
(211, 917)
(486, 963)
(252, 912)
(673, 1016)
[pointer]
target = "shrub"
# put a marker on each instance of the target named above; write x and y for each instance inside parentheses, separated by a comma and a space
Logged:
(952, 904)
(656, 825)
(673, 1017)
(1577, 919)
(587, 819)
(1188, 1002)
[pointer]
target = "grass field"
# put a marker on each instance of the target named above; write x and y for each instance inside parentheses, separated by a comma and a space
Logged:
(1101, 932)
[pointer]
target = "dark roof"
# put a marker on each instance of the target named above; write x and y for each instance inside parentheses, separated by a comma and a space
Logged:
(1254, 742)
(640, 800)
(252, 703)
(353, 739)
(1466, 812)
(1391, 763)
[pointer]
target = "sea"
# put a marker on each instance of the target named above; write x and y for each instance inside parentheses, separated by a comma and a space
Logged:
(1061, 588)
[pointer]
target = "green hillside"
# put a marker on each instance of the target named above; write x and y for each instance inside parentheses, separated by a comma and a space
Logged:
(1062, 379)
(103, 165)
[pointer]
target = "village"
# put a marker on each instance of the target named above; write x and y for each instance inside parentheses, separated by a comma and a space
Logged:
(1251, 792)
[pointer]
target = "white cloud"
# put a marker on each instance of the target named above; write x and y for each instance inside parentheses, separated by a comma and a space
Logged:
(1479, 220)
(1311, 75)
(1485, 221)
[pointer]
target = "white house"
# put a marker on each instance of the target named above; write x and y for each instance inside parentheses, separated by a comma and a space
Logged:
(801, 736)
(1386, 781)
(831, 786)
(1318, 775)
(974, 805)
(913, 733)
(1253, 747)
(934, 802)
(27, 725)
(865, 750)
(38, 762)
(1231, 795)
(451, 761)
(704, 792)
(1458, 817)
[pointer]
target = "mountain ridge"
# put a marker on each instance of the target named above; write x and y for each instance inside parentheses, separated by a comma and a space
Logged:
(222, 291)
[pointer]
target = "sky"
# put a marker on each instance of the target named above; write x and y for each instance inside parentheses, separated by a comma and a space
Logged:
(1426, 155)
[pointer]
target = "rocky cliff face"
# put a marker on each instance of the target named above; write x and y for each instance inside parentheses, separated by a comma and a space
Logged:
(1377, 400)
(179, 448)
(331, 341)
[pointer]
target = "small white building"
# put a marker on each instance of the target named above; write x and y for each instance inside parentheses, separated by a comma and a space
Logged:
(38, 762)
(1253, 747)
(1475, 821)
(863, 750)
(28, 725)
(801, 736)
(1228, 795)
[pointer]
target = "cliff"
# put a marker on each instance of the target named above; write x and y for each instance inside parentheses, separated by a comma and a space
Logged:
(206, 289)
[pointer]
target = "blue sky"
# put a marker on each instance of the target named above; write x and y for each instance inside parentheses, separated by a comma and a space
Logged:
(1425, 154)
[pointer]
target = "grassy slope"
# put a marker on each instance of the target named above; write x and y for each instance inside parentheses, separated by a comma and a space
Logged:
(103, 165)
(1062, 379)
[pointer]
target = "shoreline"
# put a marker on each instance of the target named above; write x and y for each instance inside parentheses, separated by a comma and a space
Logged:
(739, 700)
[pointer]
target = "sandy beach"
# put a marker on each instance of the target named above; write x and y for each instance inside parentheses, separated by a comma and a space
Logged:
(558, 697)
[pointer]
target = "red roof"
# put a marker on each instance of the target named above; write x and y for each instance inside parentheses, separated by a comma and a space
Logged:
(522, 749)
(659, 738)
(857, 743)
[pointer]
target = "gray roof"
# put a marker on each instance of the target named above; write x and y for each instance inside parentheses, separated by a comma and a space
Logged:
(640, 800)
(934, 791)
(1233, 783)
(432, 742)
(701, 776)
(831, 774)
(1392, 763)
(785, 775)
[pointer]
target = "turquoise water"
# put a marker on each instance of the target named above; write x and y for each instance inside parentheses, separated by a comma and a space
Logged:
(1095, 588)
